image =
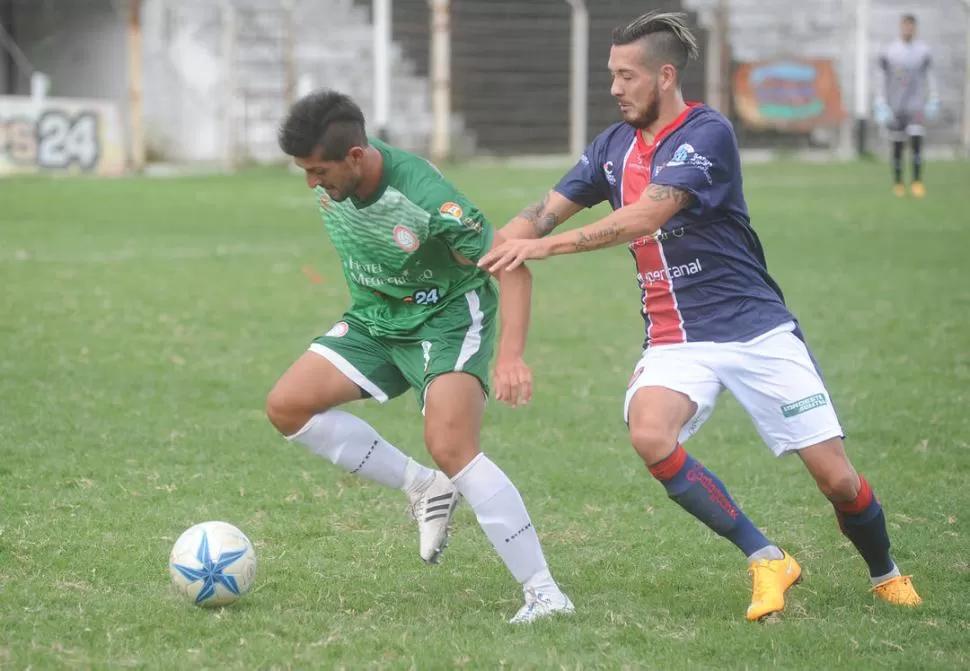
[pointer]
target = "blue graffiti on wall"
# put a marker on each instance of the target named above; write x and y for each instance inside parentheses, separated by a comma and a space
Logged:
(787, 91)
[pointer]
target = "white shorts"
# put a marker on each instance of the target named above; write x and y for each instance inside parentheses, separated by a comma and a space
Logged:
(772, 376)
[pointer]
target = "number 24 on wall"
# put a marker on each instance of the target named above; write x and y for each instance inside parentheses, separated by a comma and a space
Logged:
(55, 141)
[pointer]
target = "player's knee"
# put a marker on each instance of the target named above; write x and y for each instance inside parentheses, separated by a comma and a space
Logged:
(651, 440)
(285, 413)
(839, 484)
(450, 444)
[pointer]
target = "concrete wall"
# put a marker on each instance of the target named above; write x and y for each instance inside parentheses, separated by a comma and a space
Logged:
(825, 29)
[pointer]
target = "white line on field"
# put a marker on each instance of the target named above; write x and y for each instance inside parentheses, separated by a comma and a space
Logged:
(173, 253)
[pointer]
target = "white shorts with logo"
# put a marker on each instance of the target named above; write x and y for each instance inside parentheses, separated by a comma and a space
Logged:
(772, 376)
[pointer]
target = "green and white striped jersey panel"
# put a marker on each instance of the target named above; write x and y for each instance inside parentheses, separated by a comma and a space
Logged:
(399, 249)
(382, 236)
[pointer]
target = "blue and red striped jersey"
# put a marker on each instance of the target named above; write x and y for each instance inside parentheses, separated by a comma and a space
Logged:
(703, 275)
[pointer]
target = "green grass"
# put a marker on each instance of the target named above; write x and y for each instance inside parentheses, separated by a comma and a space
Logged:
(142, 323)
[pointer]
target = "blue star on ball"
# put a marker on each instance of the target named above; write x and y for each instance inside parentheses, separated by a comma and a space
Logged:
(212, 572)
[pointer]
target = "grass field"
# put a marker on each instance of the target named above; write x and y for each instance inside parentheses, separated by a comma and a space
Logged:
(143, 321)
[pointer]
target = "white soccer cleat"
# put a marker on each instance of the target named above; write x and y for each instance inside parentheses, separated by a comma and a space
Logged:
(432, 507)
(542, 604)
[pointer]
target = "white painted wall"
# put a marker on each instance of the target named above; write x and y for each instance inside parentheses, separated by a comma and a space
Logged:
(82, 46)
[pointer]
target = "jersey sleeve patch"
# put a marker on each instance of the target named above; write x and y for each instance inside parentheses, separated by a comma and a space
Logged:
(703, 164)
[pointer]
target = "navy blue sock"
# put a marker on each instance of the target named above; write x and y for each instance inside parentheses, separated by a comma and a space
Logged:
(699, 492)
(917, 142)
(863, 522)
(898, 148)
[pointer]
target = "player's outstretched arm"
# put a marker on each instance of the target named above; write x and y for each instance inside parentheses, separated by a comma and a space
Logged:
(645, 217)
(512, 379)
(539, 219)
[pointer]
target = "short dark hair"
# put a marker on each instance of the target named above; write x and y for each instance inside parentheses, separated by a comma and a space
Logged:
(666, 35)
(324, 120)
(909, 18)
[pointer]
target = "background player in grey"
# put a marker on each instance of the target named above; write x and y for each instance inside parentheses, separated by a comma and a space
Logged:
(906, 96)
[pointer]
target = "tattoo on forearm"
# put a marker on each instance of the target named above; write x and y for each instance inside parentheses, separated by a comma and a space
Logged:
(532, 212)
(597, 239)
(546, 223)
(543, 222)
(660, 192)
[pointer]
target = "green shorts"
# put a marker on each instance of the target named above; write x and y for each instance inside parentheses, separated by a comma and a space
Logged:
(459, 338)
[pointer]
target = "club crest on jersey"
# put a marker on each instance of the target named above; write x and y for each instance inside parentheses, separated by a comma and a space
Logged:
(452, 210)
(686, 155)
(680, 156)
(338, 330)
(324, 200)
(405, 238)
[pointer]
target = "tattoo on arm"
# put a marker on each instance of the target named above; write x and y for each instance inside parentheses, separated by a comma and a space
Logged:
(543, 222)
(603, 238)
(659, 193)
(608, 236)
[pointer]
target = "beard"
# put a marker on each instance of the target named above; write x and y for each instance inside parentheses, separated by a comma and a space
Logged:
(648, 115)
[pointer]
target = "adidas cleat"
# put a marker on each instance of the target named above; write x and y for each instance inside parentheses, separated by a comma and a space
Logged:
(542, 604)
(432, 507)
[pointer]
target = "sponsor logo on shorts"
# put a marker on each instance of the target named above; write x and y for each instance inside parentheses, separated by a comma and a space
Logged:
(338, 330)
(405, 238)
(452, 210)
(636, 376)
(426, 346)
(804, 405)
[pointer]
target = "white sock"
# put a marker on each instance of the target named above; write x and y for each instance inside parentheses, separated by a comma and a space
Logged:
(504, 519)
(416, 477)
(767, 552)
(877, 579)
(542, 582)
(352, 444)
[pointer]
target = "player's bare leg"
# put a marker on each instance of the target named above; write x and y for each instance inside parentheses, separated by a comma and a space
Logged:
(656, 416)
(302, 407)
(454, 408)
(860, 517)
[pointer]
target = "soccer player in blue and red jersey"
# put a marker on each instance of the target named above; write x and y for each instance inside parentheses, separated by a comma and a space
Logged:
(714, 317)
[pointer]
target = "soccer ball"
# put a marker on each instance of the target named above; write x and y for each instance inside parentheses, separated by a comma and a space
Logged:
(212, 564)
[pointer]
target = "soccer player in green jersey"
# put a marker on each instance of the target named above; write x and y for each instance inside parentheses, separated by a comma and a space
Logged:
(422, 316)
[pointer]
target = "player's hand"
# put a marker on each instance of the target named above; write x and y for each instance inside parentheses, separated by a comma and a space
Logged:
(513, 253)
(882, 113)
(512, 381)
(932, 110)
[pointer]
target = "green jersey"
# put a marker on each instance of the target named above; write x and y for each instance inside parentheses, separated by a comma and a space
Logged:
(399, 246)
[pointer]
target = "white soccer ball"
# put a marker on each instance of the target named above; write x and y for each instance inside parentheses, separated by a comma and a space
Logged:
(212, 564)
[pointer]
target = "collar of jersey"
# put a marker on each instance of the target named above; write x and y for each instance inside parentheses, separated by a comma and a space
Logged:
(647, 148)
(382, 185)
